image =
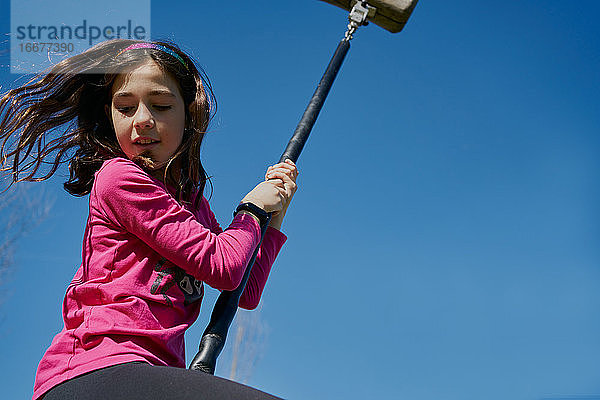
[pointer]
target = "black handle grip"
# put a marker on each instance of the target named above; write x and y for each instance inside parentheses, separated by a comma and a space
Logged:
(296, 143)
(214, 336)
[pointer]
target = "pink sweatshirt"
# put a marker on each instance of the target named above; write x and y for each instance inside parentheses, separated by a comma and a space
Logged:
(144, 260)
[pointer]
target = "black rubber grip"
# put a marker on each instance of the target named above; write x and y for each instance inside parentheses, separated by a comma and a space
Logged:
(296, 143)
(214, 336)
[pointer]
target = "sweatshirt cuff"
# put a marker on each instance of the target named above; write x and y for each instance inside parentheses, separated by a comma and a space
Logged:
(278, 236)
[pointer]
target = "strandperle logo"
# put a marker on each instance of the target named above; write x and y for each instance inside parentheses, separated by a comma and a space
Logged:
(84, 31)
(43, 33)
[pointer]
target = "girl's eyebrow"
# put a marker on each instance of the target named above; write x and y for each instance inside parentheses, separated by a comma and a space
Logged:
(155, 92)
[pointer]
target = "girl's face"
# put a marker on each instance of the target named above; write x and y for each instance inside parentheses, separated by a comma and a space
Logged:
(148, 113)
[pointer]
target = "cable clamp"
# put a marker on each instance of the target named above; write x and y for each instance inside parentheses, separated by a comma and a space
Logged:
(358, 16)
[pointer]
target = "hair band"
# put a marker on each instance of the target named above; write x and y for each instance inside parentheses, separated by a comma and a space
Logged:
(145, 45)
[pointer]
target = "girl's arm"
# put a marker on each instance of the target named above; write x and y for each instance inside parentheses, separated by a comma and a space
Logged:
(269, 249)
(286, 173)
(127, 199)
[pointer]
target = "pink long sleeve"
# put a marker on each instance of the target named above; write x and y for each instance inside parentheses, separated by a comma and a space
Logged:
(145, 259)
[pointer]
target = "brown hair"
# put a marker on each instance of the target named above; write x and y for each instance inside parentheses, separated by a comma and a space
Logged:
(60, 115)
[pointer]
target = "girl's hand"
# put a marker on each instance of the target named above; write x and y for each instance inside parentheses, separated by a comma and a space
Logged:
(275, 193)
(287, 173)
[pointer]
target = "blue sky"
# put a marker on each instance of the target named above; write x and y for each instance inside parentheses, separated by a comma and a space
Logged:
(443, 242)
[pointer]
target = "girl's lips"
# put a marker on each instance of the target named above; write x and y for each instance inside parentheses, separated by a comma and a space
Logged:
(146, 145)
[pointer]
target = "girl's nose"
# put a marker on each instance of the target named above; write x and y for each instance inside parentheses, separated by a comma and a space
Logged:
(143, 118)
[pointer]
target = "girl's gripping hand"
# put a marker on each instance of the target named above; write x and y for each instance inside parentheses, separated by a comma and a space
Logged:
(287, 173)
(276, 192)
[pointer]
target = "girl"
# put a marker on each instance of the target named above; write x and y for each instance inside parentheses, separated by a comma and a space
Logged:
(136, 114)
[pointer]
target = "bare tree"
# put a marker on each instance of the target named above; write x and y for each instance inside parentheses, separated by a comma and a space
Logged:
(250, 337)
(22, 207)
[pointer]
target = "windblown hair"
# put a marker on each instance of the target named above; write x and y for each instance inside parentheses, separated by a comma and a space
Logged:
(59, 116)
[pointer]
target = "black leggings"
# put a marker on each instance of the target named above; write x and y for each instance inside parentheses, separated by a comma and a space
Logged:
(137, 380)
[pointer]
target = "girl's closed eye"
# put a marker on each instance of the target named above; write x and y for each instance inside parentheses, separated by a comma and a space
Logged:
(126, 110)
